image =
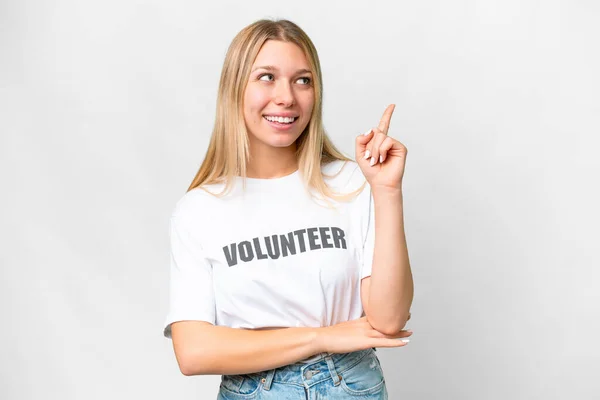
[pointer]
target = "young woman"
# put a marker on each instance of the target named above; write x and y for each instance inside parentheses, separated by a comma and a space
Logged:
(289, 264)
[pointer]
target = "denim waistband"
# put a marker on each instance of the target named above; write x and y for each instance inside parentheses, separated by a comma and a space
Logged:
(314, 358)
(306, 374)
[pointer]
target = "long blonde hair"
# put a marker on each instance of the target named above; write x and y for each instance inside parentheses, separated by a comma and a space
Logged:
(228, 150)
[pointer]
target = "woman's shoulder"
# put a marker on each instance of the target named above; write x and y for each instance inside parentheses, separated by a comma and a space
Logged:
(194, 202)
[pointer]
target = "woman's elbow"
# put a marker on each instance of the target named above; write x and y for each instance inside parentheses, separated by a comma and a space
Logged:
(191, 364)
(392, 328)
(189, 344)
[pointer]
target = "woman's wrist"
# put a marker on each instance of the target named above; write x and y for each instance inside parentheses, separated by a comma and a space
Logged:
(319, 340)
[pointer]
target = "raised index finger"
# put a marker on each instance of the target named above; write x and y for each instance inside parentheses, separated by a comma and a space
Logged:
(384, 124)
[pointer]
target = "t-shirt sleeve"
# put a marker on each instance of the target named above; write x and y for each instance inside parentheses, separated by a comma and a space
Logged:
(191, 295)
(368, 228)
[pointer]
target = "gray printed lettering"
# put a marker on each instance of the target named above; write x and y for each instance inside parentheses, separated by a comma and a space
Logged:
(246, 253)
(300, 236)
(312, 238)
(338, 237)
(285, 245)
(272, 249)
(259, 253)
(324, 237)
(230, 254)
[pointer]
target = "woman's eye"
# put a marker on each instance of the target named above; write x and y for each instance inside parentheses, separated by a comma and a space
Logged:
(307, 80)
(260, 78)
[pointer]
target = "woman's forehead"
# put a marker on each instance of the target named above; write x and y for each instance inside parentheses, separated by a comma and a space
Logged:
(281, 56)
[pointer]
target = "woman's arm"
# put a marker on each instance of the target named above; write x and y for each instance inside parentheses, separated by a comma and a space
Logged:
(389, 289)
(204, 349)
(391, 283)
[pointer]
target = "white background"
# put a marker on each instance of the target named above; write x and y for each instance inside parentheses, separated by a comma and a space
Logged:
(106, 108)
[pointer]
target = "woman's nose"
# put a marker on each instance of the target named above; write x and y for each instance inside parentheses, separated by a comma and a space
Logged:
(284, 95)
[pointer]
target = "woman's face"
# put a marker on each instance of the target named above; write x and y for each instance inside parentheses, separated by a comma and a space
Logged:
(280, 88)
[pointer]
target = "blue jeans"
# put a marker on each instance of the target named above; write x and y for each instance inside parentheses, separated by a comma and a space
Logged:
(355, 375)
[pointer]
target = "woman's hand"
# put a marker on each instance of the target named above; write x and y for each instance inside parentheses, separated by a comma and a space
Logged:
(356, 335)
(380, 157)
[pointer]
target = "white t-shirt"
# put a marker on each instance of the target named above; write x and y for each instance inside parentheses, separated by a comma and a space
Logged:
(271, 256)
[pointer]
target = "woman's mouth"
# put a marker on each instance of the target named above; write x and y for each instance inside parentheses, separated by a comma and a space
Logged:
(280, 123)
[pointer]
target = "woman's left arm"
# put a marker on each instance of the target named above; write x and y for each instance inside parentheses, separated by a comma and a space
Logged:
(391, 283)
(389, 290)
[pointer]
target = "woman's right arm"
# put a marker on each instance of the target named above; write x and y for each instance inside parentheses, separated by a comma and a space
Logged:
(204, 349)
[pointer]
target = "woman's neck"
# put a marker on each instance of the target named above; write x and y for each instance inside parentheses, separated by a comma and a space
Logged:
(272, 162)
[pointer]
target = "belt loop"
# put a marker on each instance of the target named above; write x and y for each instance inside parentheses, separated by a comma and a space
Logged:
(267, 380)
(334, 375)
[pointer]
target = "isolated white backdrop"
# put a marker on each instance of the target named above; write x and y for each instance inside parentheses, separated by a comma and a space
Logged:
(105, 114)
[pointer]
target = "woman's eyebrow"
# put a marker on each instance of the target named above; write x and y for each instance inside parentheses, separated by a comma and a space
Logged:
(272, 68)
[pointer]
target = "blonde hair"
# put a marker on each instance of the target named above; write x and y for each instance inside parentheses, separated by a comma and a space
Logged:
(228, 150)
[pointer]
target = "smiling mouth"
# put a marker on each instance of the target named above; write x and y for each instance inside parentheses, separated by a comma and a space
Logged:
(283, 121)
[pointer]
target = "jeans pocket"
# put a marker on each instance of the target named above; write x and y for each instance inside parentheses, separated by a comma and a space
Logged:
(364, 378)
(239, 387)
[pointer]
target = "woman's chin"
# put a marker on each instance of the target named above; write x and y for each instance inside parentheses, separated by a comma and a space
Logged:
(277, 139)
(281, 143)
